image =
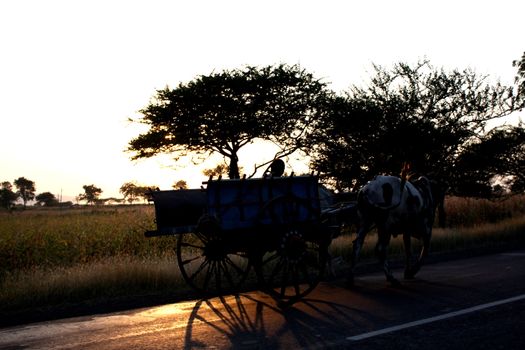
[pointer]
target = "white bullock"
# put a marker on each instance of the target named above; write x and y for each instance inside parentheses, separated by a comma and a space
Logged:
(396, 206)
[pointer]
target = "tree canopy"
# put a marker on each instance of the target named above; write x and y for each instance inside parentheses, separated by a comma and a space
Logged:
(498, 158)
(520, 77)
(416, 114)
(90, 195)
(180, 185)
(46, 199)
(222, 112)
(432, 118)
(133, 192)
(7, 196)
(25, 189)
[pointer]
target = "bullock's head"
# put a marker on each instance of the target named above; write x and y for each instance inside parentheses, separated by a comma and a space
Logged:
(434, 193)
(439, 190)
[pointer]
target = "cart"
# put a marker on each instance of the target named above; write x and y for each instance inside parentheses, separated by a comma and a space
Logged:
(265, 229)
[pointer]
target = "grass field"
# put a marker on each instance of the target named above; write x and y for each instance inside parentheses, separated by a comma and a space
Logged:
(50, 257)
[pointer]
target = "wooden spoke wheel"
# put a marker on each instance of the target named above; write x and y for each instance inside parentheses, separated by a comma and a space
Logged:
(294, 261)
(293, 269)
(209, 265)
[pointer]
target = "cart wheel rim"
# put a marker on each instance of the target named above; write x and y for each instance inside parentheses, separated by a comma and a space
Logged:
(291, 277)
(208, 267)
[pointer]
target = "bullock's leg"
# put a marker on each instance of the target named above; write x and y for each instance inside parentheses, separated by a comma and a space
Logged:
(422, 255)
(357, 245)
(381, 248)
(408, 255)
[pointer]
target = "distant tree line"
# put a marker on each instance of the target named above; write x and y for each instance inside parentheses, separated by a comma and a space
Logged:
(24, 190)
(436, 120)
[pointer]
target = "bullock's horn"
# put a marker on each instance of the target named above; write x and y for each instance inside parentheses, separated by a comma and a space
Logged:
(405, 170)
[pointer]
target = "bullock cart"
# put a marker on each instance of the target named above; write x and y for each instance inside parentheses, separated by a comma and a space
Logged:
(266, 230)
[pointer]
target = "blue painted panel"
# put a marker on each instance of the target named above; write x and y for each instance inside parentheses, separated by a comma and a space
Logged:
(243, 204)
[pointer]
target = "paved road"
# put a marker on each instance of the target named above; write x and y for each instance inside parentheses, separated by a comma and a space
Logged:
(476, 303)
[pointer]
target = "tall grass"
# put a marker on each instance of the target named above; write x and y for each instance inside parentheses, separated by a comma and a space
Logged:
(489, 236)
(69, 255)
(468, 212)
(106, 278)
(471, 223)
(50, 257)
(60, 238)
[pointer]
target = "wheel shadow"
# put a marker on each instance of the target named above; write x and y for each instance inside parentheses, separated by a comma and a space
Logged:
(255, 321)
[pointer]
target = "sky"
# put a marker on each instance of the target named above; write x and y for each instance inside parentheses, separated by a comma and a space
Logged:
(73, 72)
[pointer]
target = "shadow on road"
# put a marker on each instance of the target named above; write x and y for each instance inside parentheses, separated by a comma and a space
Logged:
(248, 321)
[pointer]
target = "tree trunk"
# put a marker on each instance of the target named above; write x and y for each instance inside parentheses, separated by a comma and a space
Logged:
(233, 171)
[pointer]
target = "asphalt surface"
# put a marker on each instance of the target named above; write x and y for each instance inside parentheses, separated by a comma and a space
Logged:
(475, 303)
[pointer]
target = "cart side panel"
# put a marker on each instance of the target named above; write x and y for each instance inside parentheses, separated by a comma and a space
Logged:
(178, 211)
(240, 204)
(304, 206)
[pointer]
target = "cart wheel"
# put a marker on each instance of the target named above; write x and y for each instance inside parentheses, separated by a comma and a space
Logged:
(209, 266)
(294, 269)
(294, 261)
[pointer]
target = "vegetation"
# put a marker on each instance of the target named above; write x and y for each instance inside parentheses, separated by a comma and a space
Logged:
(25, 189)
(51, 255)
(180, 185)
(520, 76)
(429, 117)
(220, 170)
(50, 238)
(223, 112)
(418, 114)
(47, 199)
(133, 192)
(7, 196)
(90, 195)
(498, 155)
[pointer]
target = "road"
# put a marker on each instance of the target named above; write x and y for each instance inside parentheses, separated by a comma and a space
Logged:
(475, 303)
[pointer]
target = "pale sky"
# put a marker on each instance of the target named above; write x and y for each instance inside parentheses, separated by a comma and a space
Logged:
(72, 72)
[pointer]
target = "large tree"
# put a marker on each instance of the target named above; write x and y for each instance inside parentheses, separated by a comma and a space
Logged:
(222, 112)
(416, 114)
(25, 189)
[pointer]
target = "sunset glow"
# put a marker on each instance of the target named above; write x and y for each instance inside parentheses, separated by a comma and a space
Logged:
(73, 72)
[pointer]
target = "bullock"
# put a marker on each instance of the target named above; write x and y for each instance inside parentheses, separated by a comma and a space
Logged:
(396, 206)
